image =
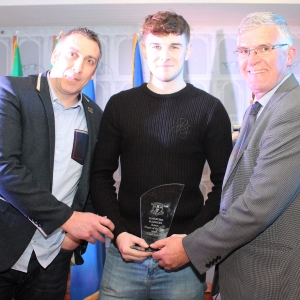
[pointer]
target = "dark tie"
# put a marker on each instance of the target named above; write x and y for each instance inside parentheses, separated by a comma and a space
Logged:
(255, 107)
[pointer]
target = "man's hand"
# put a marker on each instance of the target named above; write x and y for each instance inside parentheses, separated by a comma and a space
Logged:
(172, 255)
(70, 242)
(88, 226)
(125, 240)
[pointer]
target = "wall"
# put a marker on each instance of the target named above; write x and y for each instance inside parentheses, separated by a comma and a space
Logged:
(211, 67)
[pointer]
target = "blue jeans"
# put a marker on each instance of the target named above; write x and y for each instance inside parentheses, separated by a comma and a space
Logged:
(38, 283)
(146, 280)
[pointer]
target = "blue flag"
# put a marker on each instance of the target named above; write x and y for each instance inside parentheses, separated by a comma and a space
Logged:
(85, 279)
(137, 70)
(89, 90)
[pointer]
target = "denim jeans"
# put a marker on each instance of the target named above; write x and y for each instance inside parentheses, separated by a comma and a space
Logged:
(146, 280)
(38, 283)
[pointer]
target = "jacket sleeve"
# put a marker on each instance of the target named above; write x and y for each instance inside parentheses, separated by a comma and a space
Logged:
(268, 177)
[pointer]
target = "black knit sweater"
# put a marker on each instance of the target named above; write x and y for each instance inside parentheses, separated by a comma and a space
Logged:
(160, 139)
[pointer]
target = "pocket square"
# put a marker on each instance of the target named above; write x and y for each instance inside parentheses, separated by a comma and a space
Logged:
(80, 145)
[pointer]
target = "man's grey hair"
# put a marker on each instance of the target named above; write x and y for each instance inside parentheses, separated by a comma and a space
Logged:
(258, 19)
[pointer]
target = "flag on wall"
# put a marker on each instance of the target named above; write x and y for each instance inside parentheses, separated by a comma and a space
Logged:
(55, 40)
(89, 90)
(85, 279)
(137, 70)
(17, 69)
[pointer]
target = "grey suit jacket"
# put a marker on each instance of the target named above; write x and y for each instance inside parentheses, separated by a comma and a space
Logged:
(27, 132)
(255, 239)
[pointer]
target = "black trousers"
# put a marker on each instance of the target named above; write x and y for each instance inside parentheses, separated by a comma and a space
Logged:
(38, 283)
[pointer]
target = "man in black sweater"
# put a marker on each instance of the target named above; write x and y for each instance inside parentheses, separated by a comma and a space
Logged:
(163, 132)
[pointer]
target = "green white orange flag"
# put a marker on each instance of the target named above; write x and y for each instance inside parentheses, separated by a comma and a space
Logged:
(55, 40)
(17, 69)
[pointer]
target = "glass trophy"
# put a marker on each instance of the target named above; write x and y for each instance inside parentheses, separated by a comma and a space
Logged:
(157, 209)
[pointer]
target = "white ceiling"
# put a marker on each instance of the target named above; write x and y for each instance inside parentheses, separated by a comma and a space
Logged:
(46, 13)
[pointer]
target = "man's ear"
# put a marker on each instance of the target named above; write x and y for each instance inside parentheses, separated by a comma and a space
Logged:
(291, 55)
(188, 51)
(144, 50)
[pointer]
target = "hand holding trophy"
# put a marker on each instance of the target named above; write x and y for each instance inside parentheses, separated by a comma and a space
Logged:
(157, 209)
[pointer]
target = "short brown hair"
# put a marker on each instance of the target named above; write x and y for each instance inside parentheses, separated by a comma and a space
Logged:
(164, 23)
(91, 35)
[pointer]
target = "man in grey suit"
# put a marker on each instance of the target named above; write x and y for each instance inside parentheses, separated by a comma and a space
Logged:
(254, 241)
(48, 131)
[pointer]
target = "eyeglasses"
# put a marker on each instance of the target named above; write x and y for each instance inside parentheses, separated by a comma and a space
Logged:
(263, 50)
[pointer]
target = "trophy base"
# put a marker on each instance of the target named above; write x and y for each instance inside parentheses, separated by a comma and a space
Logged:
(149, 249)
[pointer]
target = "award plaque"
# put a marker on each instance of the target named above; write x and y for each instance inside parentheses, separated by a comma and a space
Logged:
(157, 209)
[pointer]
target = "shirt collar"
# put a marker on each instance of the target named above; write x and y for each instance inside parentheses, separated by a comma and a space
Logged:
(265, 98)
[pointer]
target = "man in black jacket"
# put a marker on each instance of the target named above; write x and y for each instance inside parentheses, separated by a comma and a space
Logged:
(48, 133)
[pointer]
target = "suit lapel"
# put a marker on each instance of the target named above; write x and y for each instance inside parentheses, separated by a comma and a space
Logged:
(90, 124)
(283, 89)
(44, 94)
(232, 159)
